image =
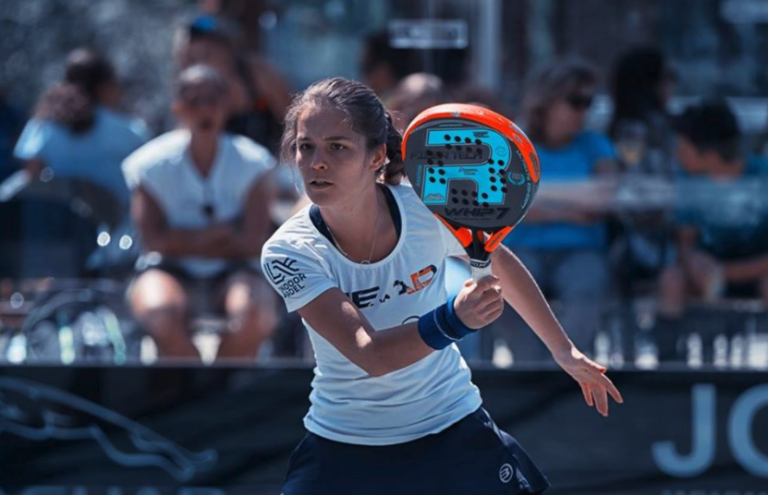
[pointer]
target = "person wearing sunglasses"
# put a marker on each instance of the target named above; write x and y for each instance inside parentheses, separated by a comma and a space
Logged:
(563, 242)
(200, 201)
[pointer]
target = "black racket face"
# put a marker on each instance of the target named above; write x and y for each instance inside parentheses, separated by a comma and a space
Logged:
(469, 173)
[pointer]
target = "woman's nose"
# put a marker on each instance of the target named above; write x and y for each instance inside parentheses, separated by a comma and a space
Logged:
(318, 162)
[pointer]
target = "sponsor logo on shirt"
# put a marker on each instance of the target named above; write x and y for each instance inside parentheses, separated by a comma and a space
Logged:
(283, 275)
(419, 280)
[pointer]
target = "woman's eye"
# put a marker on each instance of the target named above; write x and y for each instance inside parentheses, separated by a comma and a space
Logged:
(337, 147)
(305, 147)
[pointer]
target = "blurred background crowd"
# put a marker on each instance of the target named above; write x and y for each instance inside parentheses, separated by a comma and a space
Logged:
(139, 174)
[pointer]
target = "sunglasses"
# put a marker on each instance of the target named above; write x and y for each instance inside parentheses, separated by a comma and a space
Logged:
(579, 101)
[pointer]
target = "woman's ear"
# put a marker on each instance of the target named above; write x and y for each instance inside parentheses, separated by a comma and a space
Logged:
(378, 157)
(177, 109)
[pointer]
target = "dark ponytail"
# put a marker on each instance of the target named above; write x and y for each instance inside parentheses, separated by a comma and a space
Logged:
(393, 170)
(366, 114)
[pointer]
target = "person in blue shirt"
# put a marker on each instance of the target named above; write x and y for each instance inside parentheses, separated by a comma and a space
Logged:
(563, 246)
(76, 133)
(722, 220)
(76, 130)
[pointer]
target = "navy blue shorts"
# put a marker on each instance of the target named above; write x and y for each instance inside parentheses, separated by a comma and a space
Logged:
(471, 457)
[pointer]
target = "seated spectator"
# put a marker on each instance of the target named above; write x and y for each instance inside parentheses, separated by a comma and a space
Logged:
(563, 245)
(258, 96)
(641, 85)
(201, 202)
(722, 220)
(640, 127)
(77, 131)
(76, 134)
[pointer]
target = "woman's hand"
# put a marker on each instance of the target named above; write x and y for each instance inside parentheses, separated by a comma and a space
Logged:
(479, 304)
(591, 377)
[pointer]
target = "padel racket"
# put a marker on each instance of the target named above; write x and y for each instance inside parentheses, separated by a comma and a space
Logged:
(476, 171)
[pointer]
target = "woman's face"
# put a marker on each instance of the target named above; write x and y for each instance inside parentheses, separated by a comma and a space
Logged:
(567, 115)
(332, 157)
(202, 109)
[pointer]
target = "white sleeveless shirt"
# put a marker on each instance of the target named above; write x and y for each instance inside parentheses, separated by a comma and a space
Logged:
(347, 404)
(164, 168)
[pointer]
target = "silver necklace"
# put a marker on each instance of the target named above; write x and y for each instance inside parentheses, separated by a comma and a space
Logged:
(375, 236)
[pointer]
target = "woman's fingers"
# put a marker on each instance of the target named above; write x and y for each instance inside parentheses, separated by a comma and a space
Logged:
(491, 307)
(596, 389)
(587, 393)
(492, 316)
(611, 389)
(601, 400)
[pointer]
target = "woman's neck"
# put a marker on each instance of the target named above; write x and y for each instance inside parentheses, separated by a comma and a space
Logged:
(558, 141)
(202, 149)
(358, 227)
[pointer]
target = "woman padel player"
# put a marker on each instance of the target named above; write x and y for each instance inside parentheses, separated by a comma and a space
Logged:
(394, 410)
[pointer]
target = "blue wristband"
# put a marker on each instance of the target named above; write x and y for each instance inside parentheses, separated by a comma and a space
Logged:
(442, 326)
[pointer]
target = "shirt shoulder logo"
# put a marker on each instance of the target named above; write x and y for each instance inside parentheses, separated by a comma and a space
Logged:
(279, 270)
(285, 276)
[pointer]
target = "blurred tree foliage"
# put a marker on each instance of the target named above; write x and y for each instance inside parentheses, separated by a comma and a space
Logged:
(36, 35)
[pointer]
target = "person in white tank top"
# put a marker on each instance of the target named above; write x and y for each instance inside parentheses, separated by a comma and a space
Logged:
(364, 266)
(200, 199)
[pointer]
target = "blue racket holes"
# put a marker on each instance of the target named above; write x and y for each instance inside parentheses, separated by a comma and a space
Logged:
(484, 175)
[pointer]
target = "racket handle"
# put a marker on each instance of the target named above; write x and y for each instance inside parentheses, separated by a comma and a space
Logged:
(480, 269)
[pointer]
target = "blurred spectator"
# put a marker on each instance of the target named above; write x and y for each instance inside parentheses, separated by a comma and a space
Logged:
(75, 136)
(563, 245)
(76, 130)
(258, 96)
(641, 86)
(382, 66)
(201, 203)
(413, 95)
(722, 220)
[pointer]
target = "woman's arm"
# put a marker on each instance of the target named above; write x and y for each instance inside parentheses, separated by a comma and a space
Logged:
(340, 322)
(523, 294)
(158, 236)
(246, 243)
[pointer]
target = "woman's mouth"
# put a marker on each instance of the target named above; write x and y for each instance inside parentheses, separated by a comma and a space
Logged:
(320, 184)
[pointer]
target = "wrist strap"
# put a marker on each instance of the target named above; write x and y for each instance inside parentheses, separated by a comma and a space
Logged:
(442, 326)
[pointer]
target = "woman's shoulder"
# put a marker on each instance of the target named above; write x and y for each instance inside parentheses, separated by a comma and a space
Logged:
(296, 233)
(158, 151)
(404, 192)
(124, 121)
(591, 137)
(596, 144)
(248, 148)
